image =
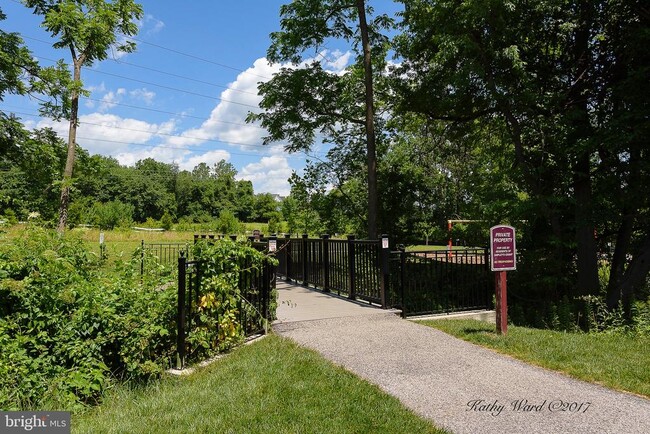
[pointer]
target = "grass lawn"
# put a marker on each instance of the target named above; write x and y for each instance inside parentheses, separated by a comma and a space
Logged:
(271, 386)
(614, 360)
(431, 248)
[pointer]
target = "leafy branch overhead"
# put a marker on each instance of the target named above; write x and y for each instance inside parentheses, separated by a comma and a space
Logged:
(305, 100)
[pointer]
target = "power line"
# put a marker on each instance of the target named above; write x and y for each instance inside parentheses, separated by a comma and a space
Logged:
(121, 62)
(193, 149)
(168, 73)
(170, 113)
(192, 56)
(158, 133)
(189, 92)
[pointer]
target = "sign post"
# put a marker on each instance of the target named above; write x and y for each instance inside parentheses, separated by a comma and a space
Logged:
(503, 258)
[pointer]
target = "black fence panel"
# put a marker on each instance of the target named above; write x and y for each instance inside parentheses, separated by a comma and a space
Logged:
(339, 270)
(256, 287)
(163, 253)
(367, 271)
(434, 282)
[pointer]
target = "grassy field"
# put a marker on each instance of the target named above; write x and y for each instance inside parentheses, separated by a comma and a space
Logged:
(615, 360)
(432, 248)
(271, 386)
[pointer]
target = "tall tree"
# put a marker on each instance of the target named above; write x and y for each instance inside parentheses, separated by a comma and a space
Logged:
(301, 101)
(89, 29)
(560, 77)
(20, 74)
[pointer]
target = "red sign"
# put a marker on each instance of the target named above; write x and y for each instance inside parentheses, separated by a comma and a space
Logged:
(503, 252)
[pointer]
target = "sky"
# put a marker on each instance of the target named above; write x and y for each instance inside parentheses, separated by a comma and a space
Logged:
(183, 96)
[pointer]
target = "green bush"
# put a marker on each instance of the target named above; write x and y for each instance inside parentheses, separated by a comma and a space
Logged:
(227, 223)
(218, 325)
(112, 214)
(67, 331)
(166, 221)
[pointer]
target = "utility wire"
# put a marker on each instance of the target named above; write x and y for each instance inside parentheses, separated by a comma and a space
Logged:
(189, 92)
(182, 115)
(192, 56)
(174, 51)
(192, 149)
(155, 133)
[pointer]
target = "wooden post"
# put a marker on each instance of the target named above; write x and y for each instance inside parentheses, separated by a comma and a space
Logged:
(501, 289)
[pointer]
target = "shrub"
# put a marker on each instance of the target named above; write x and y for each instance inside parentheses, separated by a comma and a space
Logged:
(227, 223)
(112, 214)
(166, 221)
(67, 331)
(221, 308)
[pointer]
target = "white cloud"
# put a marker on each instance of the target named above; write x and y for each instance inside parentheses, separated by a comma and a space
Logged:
(270, 175)
(152, 24)
(110, 99)
(108, 134)
(143, 94)
(227, 121)
(337, 62)
(209, 158)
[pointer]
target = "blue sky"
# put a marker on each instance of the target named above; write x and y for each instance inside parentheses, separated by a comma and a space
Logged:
(184, 94)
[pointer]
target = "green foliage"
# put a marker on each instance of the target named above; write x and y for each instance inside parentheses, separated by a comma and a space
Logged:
(222, 307)
(166, 221)
(227, 223)
(68, 331)
(112, 214)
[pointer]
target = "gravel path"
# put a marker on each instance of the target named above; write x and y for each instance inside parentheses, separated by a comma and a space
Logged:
(463, 387)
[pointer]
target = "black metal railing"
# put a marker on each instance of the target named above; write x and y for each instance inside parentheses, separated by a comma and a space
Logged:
(351, 267)
(161, 253)
(432, 282)
(253, 309)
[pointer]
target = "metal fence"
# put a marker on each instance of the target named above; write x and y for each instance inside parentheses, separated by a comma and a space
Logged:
(352, 268)
(432, 282)
(165, 254)
(253, 309)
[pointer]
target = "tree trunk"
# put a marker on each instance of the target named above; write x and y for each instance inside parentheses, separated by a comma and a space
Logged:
(370, 124)
(72, 143)
(587, 259)
(587, 262)
(635, 276)
(617, 268)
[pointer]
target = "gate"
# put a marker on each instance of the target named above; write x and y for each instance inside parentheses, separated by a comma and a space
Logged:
(254, 305)
(433, 282)
(418, 283)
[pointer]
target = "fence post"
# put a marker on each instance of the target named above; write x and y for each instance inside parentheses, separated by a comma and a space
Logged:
(325, 254)
(141, 259)
(180, 338)
(266, 291)
(385, 271)
(305, 268)
(287, 251)
(351, 266)
(402, 272)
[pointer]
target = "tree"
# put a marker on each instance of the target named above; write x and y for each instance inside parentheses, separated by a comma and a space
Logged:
(21, 74)
(559, 78)
(298, 102)
(88, 28)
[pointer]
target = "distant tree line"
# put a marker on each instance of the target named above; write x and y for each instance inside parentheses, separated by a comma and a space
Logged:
(106, 193)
